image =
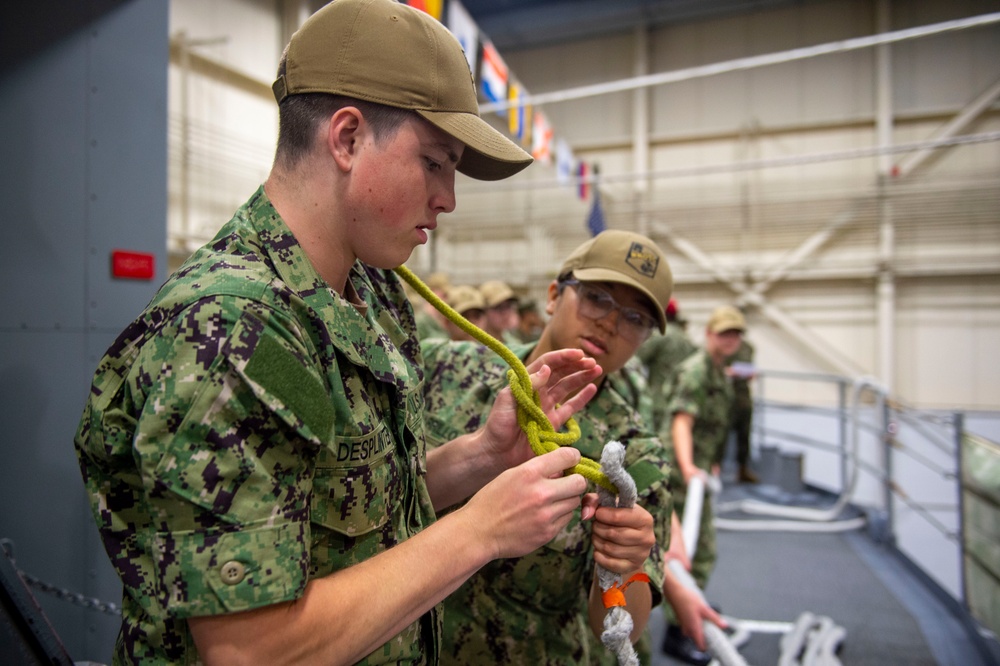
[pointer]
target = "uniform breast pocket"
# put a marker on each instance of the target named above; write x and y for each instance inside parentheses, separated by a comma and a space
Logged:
(358, 484)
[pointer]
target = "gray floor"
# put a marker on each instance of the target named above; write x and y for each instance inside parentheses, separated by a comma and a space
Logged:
(890, 616)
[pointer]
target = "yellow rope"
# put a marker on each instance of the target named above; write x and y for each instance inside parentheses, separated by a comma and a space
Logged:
(533, 421)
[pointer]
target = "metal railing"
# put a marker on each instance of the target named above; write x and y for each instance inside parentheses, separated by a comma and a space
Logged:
(898, 465)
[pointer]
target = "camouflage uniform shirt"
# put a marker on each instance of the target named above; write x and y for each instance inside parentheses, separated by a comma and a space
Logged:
(252, 430)
(662, 354)
(700, 389)
(703, 391)
(533, 609)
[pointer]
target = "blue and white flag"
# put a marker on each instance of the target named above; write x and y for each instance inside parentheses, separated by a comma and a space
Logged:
(493, 76)
(595, 219)
(461, 24)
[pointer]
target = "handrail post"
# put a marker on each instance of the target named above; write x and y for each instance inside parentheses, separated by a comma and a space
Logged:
(888, 435)
(842, 435)
(758, 414)
(959, 421)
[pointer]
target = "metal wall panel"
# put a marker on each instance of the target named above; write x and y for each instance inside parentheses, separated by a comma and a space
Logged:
(84, 172)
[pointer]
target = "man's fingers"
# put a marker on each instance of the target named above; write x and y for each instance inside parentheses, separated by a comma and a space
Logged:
(588, 507)
(558, 359)
(551, 465)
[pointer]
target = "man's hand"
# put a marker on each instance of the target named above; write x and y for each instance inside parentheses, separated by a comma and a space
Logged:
(528, 505)
(622, 537)
(564, 378)
(691, 471)
(691, 611)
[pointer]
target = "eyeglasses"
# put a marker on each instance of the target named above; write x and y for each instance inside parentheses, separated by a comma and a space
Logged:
(596, 303)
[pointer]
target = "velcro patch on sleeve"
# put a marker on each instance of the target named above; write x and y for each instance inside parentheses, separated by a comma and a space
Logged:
(281, 374)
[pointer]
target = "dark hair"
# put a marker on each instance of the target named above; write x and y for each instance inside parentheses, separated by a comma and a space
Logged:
(562, 279)
(299, 117)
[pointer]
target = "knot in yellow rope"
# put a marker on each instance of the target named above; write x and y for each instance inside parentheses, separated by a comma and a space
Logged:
(542, 436)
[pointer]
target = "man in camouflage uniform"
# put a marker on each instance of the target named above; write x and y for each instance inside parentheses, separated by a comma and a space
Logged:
(699, 404)
(742, 419)
(661, 355)
(502, 314)
(253, 444)
(536, 609)
(430, 322)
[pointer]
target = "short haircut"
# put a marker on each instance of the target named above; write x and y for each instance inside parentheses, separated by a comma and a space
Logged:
(300, 116)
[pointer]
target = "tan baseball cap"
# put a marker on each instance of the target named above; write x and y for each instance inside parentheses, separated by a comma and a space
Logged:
(385, 52)
(626, 258)
(464, 297)
(496, 292)
(438, 281)
(726, 318)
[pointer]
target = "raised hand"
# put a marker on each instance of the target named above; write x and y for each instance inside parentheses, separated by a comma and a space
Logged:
(564, 380)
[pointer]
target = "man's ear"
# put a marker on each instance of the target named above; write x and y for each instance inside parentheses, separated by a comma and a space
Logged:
(344, 135)
(550, 304)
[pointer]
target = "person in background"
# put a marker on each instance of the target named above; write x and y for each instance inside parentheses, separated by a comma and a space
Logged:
(430, 322)
(698, 402)
(467, 301)
(740, 368)
(545, 608)
(253, 444)
(501, 310)
(661, 355)
(530, 322)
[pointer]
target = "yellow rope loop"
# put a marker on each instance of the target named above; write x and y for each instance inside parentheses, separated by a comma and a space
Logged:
(542, 436)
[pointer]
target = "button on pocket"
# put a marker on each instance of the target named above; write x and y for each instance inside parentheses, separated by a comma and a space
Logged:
(233, 572)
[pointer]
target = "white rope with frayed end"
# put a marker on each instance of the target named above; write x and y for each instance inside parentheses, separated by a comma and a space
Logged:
(618, 622)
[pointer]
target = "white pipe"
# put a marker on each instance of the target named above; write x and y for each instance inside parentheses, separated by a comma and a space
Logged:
(716, 638)
(886, 289)
(806, 337)
(883, 88)
(823, 644)
(738, 64)
(731, 525)
(793, 643)
(956, 125)
(640, 131)
(691, 520)
(829, 514)
(771, 163)
(640, 112)
(759, 626)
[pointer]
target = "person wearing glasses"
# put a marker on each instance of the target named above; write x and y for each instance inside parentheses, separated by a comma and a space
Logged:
(698, 409)
(545, 607)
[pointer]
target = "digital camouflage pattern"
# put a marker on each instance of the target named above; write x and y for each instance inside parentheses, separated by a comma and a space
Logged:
(742, 417)
(533, 609)
(253, 430)
(631, 383)
(703, 390)
(662, 355)
(427, 326)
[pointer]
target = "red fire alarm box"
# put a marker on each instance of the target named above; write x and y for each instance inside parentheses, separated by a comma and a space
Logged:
(132, 265)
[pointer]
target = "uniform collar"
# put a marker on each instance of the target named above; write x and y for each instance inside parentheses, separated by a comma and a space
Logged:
(367, 336)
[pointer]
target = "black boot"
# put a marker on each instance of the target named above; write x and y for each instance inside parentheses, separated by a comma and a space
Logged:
(679, 646)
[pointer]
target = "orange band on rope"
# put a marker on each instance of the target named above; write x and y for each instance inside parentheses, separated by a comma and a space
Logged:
(615, 595)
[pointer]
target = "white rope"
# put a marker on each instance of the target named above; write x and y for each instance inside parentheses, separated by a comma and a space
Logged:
(618, 624)
(718, 642)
